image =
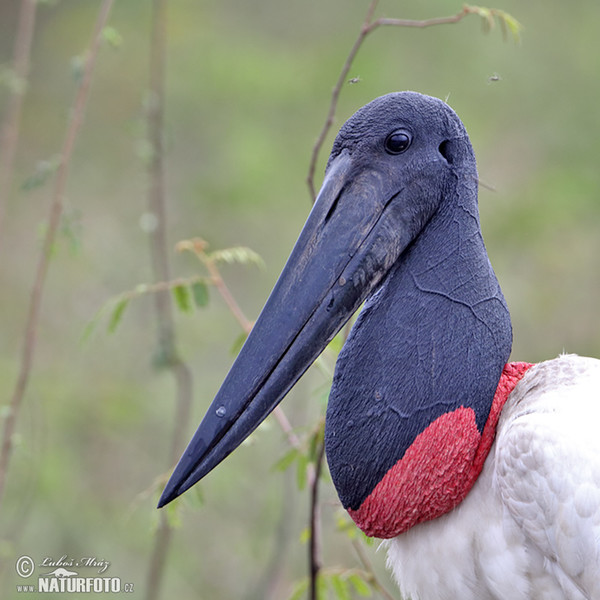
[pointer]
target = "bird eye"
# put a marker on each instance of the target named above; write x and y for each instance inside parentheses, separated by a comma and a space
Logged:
(397, 142)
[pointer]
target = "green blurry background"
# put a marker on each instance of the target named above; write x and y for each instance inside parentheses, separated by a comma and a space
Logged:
(248, 87)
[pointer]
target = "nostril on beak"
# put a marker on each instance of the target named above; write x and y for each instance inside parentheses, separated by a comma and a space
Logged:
(444, 150)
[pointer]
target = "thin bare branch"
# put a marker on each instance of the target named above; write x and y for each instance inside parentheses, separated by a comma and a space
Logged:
(315, 525)
(158, 558)
(10, 127)
(383, 22)
(367, 27)
(335, 94)
(227, 296)
(56, 208)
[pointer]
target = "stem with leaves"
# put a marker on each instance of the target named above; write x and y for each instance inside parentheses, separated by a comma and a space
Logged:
(167, 347)
(56, 209)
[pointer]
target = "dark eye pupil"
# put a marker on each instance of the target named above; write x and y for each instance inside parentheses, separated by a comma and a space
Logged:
(397, 142)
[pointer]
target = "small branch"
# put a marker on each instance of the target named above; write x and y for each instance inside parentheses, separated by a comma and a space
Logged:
(154, 288)
(422, 23)
(292, 438)
(156, 176)
(335, 94)
(10, 127)
(158, 559)
(56, 208)
(160, 265)
(222, 288)
(315, 525)
(367, 27)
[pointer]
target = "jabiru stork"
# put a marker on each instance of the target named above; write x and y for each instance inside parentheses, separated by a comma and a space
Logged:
(483, 475)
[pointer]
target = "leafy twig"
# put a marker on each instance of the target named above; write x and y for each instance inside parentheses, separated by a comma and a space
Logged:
(10, 126)
(227, 296)
(56, 208)
(167, 346)
(116, 305)
(488, 16)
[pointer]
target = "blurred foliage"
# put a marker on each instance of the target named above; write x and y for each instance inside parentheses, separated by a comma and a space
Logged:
(248, 87)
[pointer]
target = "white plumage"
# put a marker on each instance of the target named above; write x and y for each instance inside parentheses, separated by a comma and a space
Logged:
(530, 527)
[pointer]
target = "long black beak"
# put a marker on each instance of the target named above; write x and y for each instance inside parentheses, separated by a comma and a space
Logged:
(353, 235)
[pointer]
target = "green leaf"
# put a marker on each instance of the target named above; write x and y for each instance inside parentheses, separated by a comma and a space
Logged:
(200, 293)
(339, 587)
(487, 19)
(181, 293)
(70, 228)
(77, 68)
(299, 589)
(489, 16)
(237, 254)
(238, 343)
(360, 585)
(112, 36)
(117, 315)
(369, 541)
(286, 460)
(89, 329)
(173, 515)
(513, 25)
(194, 498)
(301, 471)
(321, 587)
(345, 525)
(316, 439)
(305, 535)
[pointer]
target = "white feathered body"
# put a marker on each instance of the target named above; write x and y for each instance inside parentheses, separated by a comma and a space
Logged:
(530, 527)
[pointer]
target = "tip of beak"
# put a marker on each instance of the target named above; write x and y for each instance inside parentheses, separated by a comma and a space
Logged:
(167, 496)
(164, 500)
(172, 490)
